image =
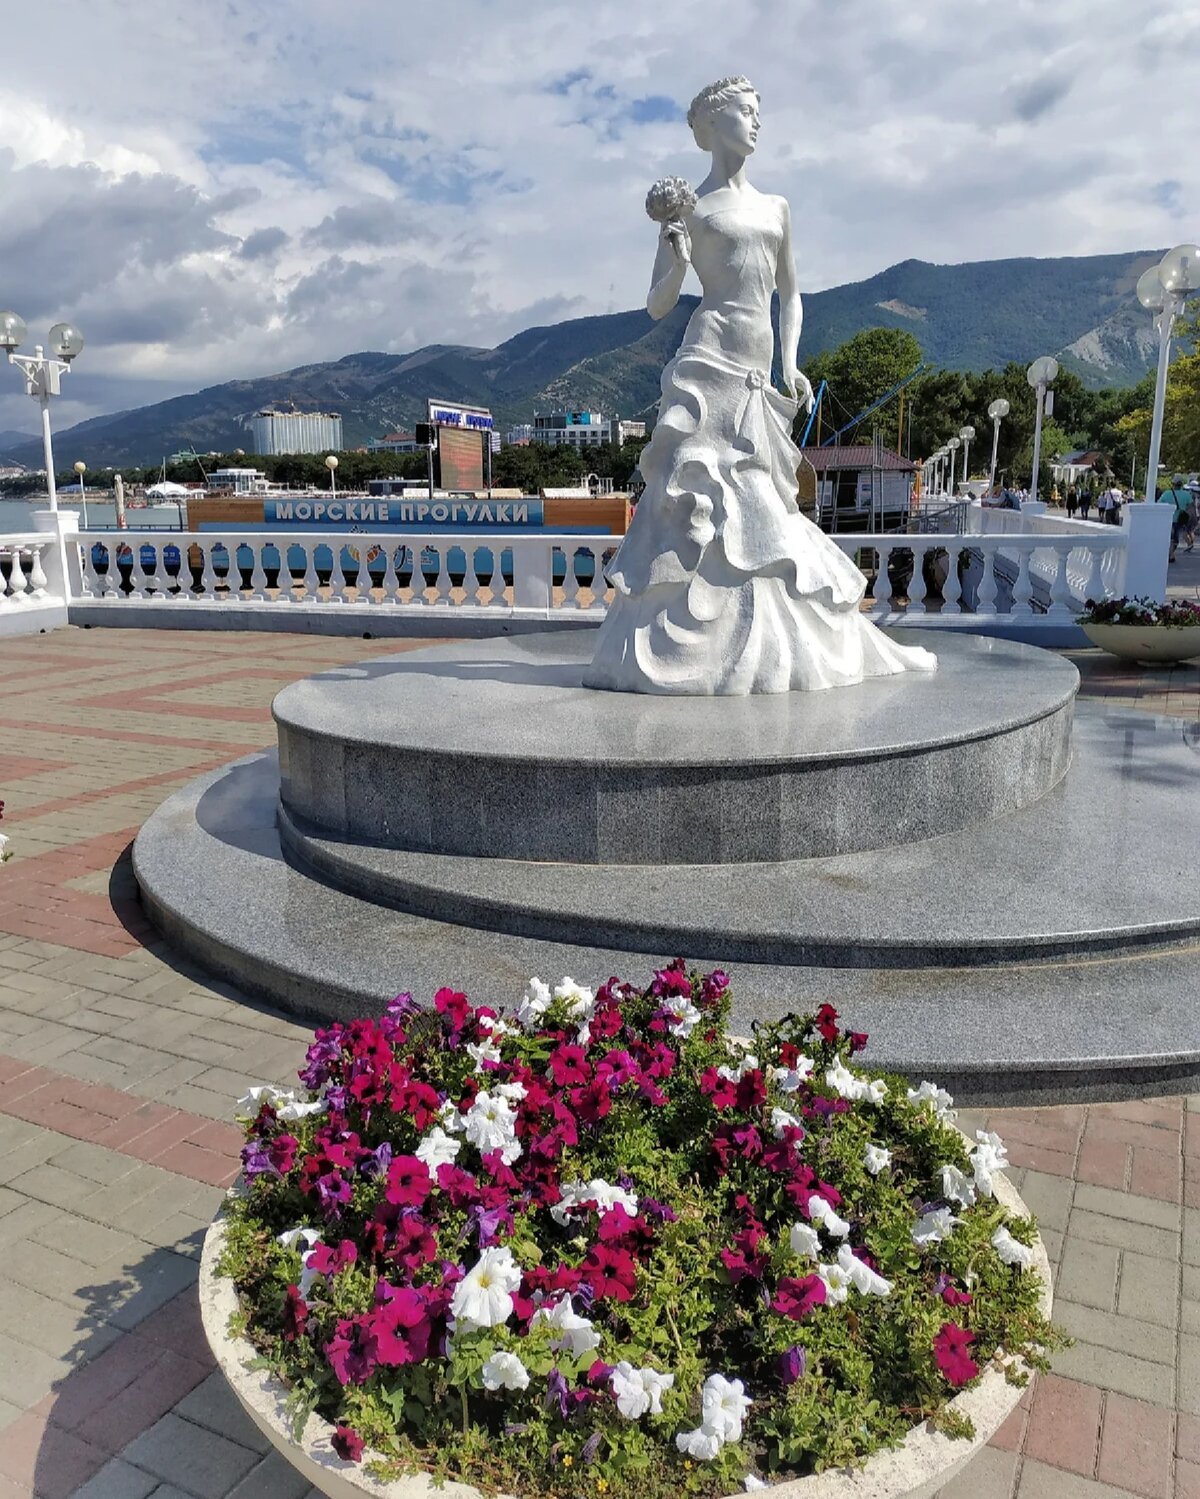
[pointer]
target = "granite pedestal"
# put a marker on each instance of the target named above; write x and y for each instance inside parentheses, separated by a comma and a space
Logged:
(1038, 949)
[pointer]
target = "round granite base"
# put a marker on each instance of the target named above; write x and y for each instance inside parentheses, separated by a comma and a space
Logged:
(493, 747)
(1087, 1024)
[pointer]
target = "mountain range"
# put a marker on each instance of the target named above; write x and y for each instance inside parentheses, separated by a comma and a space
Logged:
(972, 316)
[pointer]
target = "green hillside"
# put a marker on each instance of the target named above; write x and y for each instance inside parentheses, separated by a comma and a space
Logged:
(971, 317)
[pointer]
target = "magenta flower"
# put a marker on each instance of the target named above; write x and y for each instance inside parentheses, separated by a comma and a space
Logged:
(399, 1327)
(347, 1443)
(329, 1262)
(295, 1315)
(610, 1272)
(950, 1349)
(348, 1354)
(408, 1181)
(796, 1297)
(569, 1066)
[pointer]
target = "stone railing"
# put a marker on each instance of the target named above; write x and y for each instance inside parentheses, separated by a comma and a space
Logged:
(31, 594)
(1015, 573)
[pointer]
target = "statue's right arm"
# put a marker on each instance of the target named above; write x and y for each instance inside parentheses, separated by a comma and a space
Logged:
(670, 267)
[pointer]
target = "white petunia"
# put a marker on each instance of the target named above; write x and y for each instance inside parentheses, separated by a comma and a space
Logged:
(580, 1002)
(876, 1091)
(864, 1280)
(747, 1064)
(290, 1112)
(534, 1006)
(957, 1186)
(514, 1092)
(930, 1093)
(723, 1406)
(876, 1159)
(450, 1117)
(842, 1080)
(576, 1333)
(1010, 1250)
(987, 1159)
(804, 1241)
(483, 1298)
(689, 1019)
(837, 1282)
(703, 1444)
(789, 1079)
(254, 1098)
(305, 1240)
(639, 1391)
(781, 1120)
(492, 1125)
(934, 1226)
(602, 1193)
(752, 1483)
(820, 1212)
(496, 1026)
(482, 1051)
(505, 1371)
(437, 1149)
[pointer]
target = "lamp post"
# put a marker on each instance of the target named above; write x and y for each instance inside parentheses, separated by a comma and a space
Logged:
(331, 464)
(43, 375)
(1041, 374)
(952, 448)
(966, 433)
(937, 470)
(81, 469)
(1164, 288)
(998, 410)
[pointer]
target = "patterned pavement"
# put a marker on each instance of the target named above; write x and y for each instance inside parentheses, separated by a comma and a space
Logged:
(118, 1064)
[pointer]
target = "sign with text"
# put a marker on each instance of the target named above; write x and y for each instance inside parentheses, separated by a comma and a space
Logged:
(446, 414)
(392, 512)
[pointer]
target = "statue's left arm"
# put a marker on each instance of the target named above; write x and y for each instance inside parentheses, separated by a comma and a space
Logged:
(791, 316)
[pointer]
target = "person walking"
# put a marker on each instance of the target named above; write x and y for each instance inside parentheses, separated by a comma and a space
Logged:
(1085, 503)
(1072, 501)
(1180, 496)
(1104, 505)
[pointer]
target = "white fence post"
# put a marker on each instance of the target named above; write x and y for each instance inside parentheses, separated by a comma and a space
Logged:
(533, 573)
(1149, 528)
(61, 561)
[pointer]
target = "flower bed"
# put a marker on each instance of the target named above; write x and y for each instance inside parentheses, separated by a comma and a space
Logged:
(1176, 614)
(598, 1247)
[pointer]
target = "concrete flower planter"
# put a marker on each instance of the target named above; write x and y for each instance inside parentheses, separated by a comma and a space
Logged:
(925, 1462)
(1147, 643)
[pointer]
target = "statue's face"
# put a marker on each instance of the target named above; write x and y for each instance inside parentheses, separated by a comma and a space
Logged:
(735, 124)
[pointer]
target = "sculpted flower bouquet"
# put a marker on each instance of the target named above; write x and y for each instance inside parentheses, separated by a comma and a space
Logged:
(597, 1246)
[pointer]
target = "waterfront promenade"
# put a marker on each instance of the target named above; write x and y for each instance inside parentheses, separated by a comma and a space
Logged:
(119, 1065)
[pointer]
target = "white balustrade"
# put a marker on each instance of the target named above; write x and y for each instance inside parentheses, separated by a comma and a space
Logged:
(32, 597)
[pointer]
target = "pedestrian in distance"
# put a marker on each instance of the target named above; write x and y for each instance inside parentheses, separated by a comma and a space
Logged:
(1180, 496)
(1085, 503)
(1072, 501)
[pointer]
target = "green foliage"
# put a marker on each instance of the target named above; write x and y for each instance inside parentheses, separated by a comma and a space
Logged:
(863, 369)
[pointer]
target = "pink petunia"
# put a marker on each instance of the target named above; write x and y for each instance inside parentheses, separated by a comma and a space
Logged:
(797, 1296)
(950, 1348)
(408, 1181)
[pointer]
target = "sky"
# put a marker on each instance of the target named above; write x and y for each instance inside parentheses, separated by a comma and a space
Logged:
(228, 188)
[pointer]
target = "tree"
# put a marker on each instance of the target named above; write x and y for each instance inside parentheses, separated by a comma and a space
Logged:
(1181, 419)
(861, 370)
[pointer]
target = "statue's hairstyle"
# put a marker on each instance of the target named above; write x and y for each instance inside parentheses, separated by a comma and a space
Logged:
(710, 99)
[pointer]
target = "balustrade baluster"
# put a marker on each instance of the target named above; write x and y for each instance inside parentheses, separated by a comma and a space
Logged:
(138, 582)
(952, 587)
(311, 592)
(499, 598)
(1022, 589)
(570, 581)
(443, 587)
(93, 585)
(470, 578)
(367, 588)
(1095, 583)
(389, 583)
(37, 574)
(258, 573)
(15, 593)
(1060, 589)
(337, 577)
(985, 598)
(208, 573)
(599, 581)
(916, 585)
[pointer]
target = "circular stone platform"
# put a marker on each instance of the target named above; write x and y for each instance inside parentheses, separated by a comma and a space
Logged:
(493, 748)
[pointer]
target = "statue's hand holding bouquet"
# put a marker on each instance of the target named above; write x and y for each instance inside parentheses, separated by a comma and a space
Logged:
(669, 203)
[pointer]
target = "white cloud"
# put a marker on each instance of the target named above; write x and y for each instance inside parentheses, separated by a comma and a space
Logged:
(218, 191)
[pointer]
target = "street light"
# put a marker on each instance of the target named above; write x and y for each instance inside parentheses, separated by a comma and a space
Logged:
(952, 447)
(81, 469)
(331, 464)
(1164, 288)
(940, 458)
(43, 374)
(998, 410)
(1041, 374)
(966, 433)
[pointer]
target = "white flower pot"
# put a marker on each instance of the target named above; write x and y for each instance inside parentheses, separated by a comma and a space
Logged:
(917, 1470)
(1150, 643)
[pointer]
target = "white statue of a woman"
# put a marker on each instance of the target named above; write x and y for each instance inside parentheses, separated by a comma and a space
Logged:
(722, 585)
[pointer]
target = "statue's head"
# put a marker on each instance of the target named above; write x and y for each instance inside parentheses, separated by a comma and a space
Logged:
(727, 111)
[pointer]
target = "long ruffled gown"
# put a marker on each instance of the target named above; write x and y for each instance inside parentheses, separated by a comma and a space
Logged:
(722, 585)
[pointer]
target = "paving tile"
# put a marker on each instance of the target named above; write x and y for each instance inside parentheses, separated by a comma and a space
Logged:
(1187, 1480)
(196, 1459)
(1156, 1173)
(45, 1458)
(1109, 1370)
(1187, 1437)
(117, 1480)
(1149, 1289)
(1130, 1335)
(27, 1373)
(1088, 1273)
(1099, 1228)
(213, 1404)
(990, 1474)
(1135, 1447)
(1064, 1424)
(163, 1381)
(1041, 1482)
(275, 1478)
(1128, 1206)
(1189, 1372)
